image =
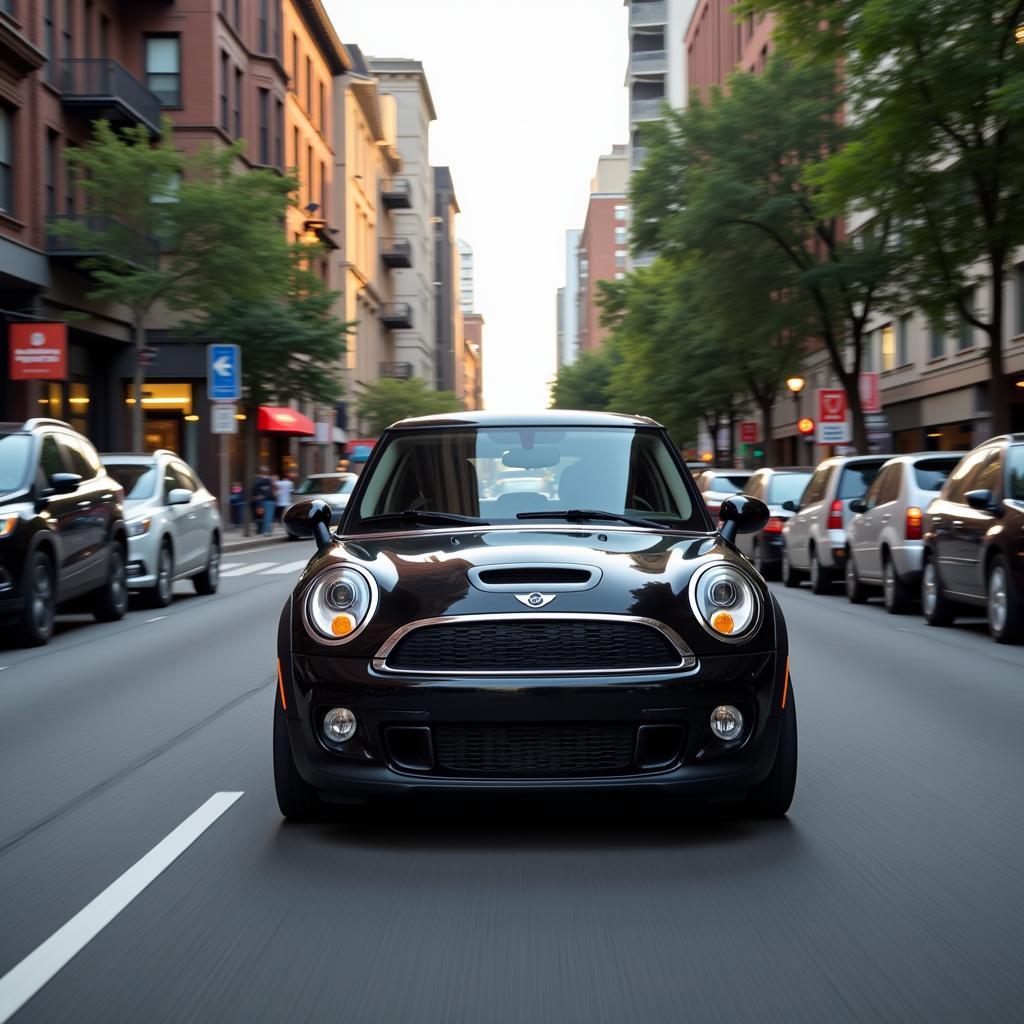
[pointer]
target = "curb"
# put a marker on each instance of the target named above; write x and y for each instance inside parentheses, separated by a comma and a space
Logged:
(243, 544)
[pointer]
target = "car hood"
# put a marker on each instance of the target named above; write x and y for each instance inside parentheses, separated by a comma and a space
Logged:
(643, 573)
(12, 500)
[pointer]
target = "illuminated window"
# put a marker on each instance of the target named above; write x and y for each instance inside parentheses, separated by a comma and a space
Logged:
(888, 347)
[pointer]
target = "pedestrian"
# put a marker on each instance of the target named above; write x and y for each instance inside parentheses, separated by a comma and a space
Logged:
(263, 503)
(237, 503)
(283, 494)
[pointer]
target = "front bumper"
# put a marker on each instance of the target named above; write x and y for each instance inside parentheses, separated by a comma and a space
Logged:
(142, 558)
(389, 705)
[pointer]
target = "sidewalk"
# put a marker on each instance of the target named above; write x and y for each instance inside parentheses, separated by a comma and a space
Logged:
(234, 540)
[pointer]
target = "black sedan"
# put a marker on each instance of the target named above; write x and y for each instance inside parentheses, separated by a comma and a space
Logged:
(607, 638)
(774, 487)
(974, 540)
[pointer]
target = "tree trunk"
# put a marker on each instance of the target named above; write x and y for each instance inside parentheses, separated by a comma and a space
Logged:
(860, 429)
(138, 382)
(767, 441)
(249, 461)
(731, 440)
(998, 398)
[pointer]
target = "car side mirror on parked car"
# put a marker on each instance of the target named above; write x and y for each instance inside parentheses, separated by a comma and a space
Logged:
(742, 514)
(858, 506)
(308, 519)
(982, 500)
(65, 483)
(791, 506)
(179, 496)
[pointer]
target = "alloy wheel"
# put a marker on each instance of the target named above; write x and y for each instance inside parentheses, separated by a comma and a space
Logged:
(213, 563)
(929, 589)
(164, 583)
(42, 596)
(815, 570)
(998, 600)
(118, 583)
(889, 585)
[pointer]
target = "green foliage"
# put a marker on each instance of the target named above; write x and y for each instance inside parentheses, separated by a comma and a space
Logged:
(937, 90)
(386, 401)
(584, 384)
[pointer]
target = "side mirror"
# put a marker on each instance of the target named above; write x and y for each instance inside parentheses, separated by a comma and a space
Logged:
(308, 519)
(65, 483)
(741, 514)
(791, 506)
(980, 500)
(858, 505)
(179, 496)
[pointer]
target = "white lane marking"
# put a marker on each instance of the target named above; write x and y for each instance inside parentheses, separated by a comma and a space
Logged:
(156, 618)
(288, 567)
(230, 565)
(245, 570)
(25, 979)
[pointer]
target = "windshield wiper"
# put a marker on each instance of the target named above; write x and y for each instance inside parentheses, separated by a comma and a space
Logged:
(422, 515)
(582, 514)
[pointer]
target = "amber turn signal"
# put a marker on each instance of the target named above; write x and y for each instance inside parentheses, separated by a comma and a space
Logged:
(343, 624)
(722, 622)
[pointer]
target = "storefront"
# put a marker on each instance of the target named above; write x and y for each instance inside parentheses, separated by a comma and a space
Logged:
(278, 430)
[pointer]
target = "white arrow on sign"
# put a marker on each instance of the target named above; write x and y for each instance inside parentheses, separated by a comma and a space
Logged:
(222, 366)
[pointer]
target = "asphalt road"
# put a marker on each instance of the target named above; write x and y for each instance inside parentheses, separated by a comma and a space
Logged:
(892, 893)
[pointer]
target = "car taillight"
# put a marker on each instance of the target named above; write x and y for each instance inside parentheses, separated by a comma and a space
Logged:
(835, 515)
(915, 517)
(774, 525)
(713, 510)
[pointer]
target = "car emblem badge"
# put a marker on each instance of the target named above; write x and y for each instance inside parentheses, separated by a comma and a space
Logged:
(535, 600)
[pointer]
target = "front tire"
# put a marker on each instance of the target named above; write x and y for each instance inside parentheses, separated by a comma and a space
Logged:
(40, 608)
(790, 576)
(112, 597)
(937, 608)
(1005, 614)
(768, 570)
(896, 594)
(821, 581)
(206, 582)
(161, 593)
(296, 798)
(773, 797)
(856, 592)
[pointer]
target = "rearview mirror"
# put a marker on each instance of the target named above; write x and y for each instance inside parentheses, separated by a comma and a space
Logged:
(742, 514)
(308, 519)
(791, 506)
(179, 496)
(541, 456)
(65, 483)
(980, 500)
(858, 506)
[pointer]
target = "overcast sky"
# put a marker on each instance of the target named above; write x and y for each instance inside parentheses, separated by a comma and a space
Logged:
(528, 95)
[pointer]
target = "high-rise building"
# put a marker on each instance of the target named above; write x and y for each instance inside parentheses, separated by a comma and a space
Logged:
(568, 312)
(716, 44)
(467, 298)
(604, 241)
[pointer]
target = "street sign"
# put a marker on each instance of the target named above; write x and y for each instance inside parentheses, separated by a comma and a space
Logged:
(748, 432)
(147, 356)
(833, 427)
(222, 418)
(224, 373)
(38, 351)
(870, 399)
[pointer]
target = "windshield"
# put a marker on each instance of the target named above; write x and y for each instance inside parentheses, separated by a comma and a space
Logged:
(785, 487)
(1015, 477)
(857, 478)
(733, 483)
(14, 456)
(138, 479)
(327, 485)
(496, 474)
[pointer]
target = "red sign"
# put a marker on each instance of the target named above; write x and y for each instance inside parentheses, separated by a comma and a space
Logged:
(38, 351)
(831, 405)
(870, 400)
(748, 432)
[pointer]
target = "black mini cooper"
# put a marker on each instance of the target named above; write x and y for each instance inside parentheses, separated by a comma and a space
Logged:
(520, 603)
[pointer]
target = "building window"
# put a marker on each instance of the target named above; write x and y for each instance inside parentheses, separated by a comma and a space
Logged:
(620, 275)
(620, 212)
(938, 342)
(620, 258)
(309, 86)
(68, 49)
(104, 36)
(295, 63)
(6, 160)
(278, 52)
(163, 69)
(868, 359)
(87, 18)
(52, 145)
(322, 113)
(620, 236)
(238, 13)
(279, 134)
(238, 103)
(903, 341)
(224, 69)
(965, 338)
(69, 185)
(264, 114)
(888, 348)
(264, 27)
(309, 175)
(49, 38)
(295, 150)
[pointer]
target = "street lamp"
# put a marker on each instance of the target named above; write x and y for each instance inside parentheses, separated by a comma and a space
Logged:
(796, 385)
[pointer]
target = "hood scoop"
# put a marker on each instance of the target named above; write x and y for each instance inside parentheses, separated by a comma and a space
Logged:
(520, 577)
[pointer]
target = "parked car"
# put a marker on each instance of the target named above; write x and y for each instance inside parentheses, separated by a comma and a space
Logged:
(773, 487)
(62, 532)
(715, 485)
(333, 488)
(884, 542)
(974, 540)
(174, 525)
(814, 538)
(442, 642)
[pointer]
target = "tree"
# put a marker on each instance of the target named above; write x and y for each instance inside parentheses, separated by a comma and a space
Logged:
(741, 161)
(937, 89)
(161, 226)
(387, 400)
(584, 383)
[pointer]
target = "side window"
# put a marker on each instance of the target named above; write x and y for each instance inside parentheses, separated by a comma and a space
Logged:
(990, 475)
(183, 477)
(755, 486)
(169, 482)
(961, 479)
(80, 456)
(815, 489)
(874, 496)
(50, 460)
(886, 487)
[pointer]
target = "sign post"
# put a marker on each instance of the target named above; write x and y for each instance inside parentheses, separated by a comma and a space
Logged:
(224, 388)
(833, 426)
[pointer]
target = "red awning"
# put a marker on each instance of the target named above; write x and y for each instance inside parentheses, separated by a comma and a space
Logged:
(281, 420)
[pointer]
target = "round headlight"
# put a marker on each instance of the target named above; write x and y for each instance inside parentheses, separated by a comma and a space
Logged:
(339, 603)
(725, 602)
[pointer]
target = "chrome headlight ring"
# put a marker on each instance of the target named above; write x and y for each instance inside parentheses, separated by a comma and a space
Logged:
(723, 588)
(341, 590)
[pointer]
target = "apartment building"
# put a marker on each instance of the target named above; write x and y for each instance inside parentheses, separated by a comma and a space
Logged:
(467, 291)
(447, 275)
(717, 43)
(472, 391)
(604, 242)
(568, 302)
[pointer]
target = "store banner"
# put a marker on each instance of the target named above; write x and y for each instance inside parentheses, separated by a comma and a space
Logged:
(38, 351)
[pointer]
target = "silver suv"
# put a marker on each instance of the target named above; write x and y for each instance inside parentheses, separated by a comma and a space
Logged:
(883, 542)
(814, 539)
(173, 523)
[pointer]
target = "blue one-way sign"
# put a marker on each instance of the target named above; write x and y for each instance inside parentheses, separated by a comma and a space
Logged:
(224, 373)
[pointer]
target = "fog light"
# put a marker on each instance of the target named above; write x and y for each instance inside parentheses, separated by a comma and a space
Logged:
(340, 725)
(726, 722)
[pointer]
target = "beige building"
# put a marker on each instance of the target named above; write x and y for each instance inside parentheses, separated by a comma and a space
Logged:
(472, 360)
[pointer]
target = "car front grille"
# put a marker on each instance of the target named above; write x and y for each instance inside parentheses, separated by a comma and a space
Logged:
(533, 750)
(533, 644)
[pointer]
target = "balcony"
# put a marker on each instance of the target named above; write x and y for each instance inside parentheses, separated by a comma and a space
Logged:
(648, 62)
(396, 371)
(396, 252)
(108, 236)
(648, 14)
(396, 194)
(102, 88)
(646, 110)
(396, 316)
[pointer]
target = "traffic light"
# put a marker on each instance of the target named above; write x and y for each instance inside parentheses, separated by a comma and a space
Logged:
(805, 425)
(758, 453)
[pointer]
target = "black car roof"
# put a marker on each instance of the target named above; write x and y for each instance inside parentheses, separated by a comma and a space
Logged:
(546, 418)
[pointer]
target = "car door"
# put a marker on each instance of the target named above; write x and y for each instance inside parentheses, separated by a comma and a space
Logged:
(64, 515)
(975, 524)
(177, 518)
(97, 499)
(881, 502)
(800, 528)
(945, 521)
(189, 520)
(204, 505)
